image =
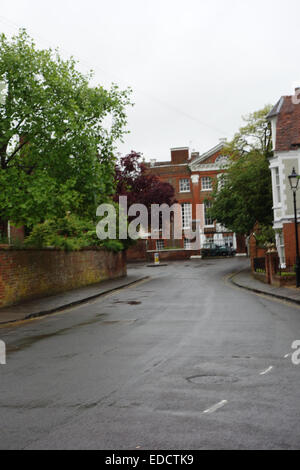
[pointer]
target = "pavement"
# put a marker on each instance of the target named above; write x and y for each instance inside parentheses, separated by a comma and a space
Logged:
(245, 280)
(184, 360)
(54, 303)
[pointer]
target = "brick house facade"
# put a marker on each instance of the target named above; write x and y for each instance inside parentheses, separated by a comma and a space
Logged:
(285, 122)
(193, 175)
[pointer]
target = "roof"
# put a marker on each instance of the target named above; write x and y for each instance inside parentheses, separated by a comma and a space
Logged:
(276, 109)
(191, 162)
(166, 163)
(287, 112)
(208, 154)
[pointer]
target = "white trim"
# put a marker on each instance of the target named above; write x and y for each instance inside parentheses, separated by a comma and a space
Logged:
(160, 242)
(9, 232)
(186, 215)
(180, 148)
(279, 160)
(207, 167)
(170, 164)
(208, 154)
(187, 182)
(195, 179)
(209, 181)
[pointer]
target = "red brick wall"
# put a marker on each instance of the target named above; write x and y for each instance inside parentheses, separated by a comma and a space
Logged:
(17, 233)
(173, 255)
(137, 252)
(290, 242)
(180, 155)
(255, 250)
(29, 274)
(241, 244)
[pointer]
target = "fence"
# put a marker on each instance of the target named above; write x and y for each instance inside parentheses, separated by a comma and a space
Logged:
(259, 265)
(288, 269)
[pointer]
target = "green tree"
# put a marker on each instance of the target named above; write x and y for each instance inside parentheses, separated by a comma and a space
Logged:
(254, 136)
(57, 134)
(246, 194)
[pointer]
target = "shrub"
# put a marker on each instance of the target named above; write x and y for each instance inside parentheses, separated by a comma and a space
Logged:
(69, 233)
(265, 235)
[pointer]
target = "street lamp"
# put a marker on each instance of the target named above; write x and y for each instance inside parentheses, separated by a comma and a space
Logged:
(294, 182)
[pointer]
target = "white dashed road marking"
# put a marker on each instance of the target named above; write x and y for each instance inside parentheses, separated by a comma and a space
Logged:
(266, 371)
(215, 407)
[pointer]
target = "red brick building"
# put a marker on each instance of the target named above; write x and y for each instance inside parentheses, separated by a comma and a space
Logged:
(285, 121)
(193, 177)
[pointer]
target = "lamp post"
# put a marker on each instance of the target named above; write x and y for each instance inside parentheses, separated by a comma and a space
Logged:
(294, 182)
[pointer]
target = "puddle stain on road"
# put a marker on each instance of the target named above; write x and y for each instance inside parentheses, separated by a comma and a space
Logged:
(211, 379)
(128, 302)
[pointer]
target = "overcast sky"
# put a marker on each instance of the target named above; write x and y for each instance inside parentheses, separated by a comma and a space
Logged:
(196, 66)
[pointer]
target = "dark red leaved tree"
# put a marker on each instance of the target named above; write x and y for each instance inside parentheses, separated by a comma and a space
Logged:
(139, 185)
(134, 180)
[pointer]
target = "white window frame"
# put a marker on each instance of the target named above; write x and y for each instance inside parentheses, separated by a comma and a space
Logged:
(160, 245)
(221, 181)
(228, 241)
(206, 183)
(281, 249)
(187, 244)
(184, 185)
(277, 185)
(207, 205)
(186, 215)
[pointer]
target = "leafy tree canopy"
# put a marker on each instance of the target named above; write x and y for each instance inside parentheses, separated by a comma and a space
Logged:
(246, 195)
(255, 135)
(56, 148)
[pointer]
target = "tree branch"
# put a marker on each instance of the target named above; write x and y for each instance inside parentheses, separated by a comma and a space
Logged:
(20, 146)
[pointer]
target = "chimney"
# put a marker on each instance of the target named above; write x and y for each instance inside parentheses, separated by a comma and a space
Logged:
(180, 155)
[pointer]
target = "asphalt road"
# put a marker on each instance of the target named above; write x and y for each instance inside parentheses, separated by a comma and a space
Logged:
(182, 361)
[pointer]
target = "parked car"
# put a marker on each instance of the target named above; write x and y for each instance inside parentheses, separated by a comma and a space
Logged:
(211, 249)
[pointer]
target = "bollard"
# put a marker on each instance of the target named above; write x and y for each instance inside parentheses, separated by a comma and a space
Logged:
(2, 353)
(156, 258)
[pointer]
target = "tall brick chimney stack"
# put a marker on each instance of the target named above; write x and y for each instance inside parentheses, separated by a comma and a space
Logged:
(180, 155)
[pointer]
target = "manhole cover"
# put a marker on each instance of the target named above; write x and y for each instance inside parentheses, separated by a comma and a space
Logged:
(211, 379)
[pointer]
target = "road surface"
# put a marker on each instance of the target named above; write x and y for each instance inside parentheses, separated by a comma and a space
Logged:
(182, 361)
